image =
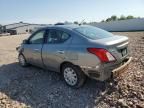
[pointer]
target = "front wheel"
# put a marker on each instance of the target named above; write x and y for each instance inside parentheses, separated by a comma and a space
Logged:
(73, 75)
(22, 60)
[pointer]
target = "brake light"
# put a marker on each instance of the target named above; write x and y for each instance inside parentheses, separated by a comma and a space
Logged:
(102, 54)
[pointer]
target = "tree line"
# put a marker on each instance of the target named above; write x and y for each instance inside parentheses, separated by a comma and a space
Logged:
(112, 18)
(122, 17)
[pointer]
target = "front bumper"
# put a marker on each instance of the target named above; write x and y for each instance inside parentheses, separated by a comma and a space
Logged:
(107, 71)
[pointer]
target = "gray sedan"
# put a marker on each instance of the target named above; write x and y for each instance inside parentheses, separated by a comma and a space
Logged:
(76, 51)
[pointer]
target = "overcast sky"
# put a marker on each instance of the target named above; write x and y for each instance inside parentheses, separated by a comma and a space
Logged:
(52, 11)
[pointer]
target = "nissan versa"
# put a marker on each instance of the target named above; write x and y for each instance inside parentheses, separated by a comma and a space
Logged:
(76, 51)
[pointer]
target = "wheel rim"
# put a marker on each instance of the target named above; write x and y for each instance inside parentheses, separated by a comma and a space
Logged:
(21, 60)
(70, 76)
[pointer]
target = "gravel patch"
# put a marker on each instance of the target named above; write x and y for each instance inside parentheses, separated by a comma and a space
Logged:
(38, 88)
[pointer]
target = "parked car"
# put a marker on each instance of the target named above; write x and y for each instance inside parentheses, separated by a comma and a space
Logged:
(76, 51)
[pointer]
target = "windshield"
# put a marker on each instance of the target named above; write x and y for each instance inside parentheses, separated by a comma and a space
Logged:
(93, 32)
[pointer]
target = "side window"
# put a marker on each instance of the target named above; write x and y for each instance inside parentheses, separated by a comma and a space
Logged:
(37, 38)
(53, 36)
(64, 36)
(57, 36)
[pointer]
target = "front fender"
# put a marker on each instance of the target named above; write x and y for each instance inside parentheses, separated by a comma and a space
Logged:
(20, 49)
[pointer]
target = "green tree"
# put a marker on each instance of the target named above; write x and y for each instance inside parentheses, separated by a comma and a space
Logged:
(130, 17)
(113, 18)
(108, 19)
(122, 17)
(67, 22)
(103, 21)
(84, 23)
(75, 22)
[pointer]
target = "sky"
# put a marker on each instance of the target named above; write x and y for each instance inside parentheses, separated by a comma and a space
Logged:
(52, 11)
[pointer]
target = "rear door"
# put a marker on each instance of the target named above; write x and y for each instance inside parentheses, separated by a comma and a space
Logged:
(54, 50)
(32, 50)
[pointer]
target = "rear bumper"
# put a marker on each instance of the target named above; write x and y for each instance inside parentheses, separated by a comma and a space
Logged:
(107, 71)
(116, 72)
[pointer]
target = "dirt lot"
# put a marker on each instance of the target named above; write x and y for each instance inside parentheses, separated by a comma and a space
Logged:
(37, 88)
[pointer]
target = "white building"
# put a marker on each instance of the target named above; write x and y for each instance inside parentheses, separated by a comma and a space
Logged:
(21, 28)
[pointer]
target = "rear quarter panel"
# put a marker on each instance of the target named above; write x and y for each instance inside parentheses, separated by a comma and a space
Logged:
(78, 54)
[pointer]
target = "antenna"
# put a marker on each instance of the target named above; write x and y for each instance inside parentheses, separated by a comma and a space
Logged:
(81, 22)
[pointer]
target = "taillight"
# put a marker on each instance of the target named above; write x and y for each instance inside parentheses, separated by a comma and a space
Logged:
(102, 54)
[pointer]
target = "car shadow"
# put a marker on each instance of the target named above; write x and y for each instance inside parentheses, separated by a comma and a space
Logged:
(36, 87)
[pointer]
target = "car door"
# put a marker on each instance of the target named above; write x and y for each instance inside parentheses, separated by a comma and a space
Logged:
(32, 50)
(54, 50)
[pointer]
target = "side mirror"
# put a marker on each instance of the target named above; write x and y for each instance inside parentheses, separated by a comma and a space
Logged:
(25, 41)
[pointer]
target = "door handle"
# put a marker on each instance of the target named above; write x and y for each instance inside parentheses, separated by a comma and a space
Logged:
(36, 49)
(60, 52)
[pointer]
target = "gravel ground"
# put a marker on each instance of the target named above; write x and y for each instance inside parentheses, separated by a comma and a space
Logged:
(38, 88)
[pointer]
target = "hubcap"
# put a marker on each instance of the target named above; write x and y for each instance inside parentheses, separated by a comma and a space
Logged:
(70, 76)
(21, 60)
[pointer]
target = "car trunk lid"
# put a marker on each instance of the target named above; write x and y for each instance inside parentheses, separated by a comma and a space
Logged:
(116, 45)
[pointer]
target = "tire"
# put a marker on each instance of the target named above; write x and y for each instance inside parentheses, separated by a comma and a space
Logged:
(73, 75)
(22, 60)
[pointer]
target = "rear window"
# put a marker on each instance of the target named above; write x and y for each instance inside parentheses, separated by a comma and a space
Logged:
(93, 32)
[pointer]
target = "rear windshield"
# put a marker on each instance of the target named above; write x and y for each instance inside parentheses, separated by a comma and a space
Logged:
(93, 32)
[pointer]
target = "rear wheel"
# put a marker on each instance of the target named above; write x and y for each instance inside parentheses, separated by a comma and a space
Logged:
(22, 60)
(73, 75)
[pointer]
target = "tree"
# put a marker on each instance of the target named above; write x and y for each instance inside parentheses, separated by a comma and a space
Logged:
(67, 22)
(122, 17)
(75, 22)
(84, 23)
(113, 18)
(103, 21)
(108, 19)
(130, 17)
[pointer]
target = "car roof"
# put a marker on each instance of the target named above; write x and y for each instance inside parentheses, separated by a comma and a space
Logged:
(66, 26)
(70, 26)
